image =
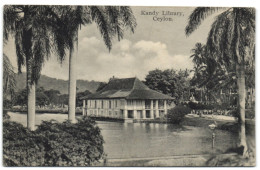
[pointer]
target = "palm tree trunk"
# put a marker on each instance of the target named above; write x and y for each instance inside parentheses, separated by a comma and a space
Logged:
(30, 103)
(240, 71)
(27, 48)
(241, 85)
(30, 94)
(72, 84)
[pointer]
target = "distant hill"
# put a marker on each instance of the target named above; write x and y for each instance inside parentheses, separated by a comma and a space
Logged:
(57, 84)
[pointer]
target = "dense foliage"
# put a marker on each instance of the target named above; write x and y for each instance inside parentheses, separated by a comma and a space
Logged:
(79, 95)
(214, 77)
(176, 114)
(52, 144)
(171, 82)
(233, 158)
(250, 113)
(47, 97)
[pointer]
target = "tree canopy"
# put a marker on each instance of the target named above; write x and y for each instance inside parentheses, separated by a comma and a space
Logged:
(171, 82)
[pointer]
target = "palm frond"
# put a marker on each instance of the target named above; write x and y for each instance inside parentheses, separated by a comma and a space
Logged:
(63, 29)
(11, 15)
(9, 82)
(128, 17)
(198, 54)
(247, 23)
(219, 39)
(197, 16)
(101, 19)
(19, 51)
(116, 24)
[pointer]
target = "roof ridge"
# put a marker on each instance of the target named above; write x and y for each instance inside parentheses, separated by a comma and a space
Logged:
(134, 84)
(139, 84)
(133, 88)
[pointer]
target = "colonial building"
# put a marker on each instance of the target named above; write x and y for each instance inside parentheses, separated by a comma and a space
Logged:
(127, 99)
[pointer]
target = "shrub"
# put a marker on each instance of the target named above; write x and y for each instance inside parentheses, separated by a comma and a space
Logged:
(176, 114)
(232, 158)
(250, 113)
(234, 113)
(7, 104)
(53, 144)
(20, 147)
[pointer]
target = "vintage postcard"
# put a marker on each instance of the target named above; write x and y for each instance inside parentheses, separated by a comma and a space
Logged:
(134, 86)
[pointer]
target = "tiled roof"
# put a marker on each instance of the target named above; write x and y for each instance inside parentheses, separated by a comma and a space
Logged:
(129, 88)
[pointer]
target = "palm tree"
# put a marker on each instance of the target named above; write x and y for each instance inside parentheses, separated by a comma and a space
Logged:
(230, 41)
(198, 54)
(201, 67)
(30, 27)
(198, 75)
(110, 21)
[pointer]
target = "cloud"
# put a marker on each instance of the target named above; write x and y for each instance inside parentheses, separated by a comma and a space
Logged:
(156, 55)
(123, 45)
(90, 41)
(148, 46)
(126, 59)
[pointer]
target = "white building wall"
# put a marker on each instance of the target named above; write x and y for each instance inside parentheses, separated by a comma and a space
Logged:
(119, 106)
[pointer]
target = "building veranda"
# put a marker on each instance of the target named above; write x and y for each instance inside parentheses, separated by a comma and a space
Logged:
(127, 98)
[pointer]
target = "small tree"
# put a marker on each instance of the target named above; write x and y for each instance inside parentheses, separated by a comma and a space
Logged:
(169, 81)
(79, 101)
(53, 96)
(176, 114)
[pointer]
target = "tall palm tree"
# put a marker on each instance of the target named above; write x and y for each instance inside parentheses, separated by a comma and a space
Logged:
(198, 75)
(110, 21)
(198, 54)
(201, 66)
(29, 25)
(231, 41)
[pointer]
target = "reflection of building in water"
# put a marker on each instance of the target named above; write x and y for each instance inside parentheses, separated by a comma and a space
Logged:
(127, 99)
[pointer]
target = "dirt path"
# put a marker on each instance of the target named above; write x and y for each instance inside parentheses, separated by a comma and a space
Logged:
(186, 160)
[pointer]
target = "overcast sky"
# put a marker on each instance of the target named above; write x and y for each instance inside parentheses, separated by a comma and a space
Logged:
(154, 45)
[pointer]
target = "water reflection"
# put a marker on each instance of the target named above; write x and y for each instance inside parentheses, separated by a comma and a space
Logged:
(132, 140)
(152, 140)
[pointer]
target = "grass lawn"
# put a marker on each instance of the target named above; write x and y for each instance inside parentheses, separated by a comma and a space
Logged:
(222, 124)
(229, 125)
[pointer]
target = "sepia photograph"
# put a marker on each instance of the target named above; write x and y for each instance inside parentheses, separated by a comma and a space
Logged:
(128, 86)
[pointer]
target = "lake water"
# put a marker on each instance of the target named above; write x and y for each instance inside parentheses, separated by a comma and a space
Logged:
(134, 140)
